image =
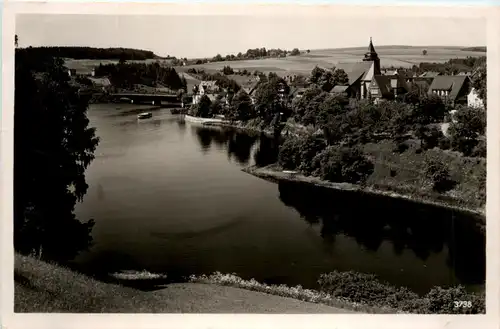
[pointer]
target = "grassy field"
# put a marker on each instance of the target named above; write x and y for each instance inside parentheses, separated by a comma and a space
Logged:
(43, 287)
(404, 56)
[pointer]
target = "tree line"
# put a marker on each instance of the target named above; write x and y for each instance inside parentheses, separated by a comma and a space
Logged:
(256, 53)
(125, 75)
(93, 53)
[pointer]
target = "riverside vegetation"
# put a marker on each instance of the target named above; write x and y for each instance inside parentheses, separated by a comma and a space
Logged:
(396, 145)
(339, 143)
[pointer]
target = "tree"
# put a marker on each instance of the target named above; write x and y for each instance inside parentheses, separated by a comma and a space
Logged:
(227, 70)
(305, 108)
(16, 41)
(243, 108)
(217, 106)
(123, 59)
(308, 51)
(440, 176)
(184, 83)
(430, 109)
(339, 164)
(53, 145)
(295, 52)
(479, 81)
(316, 74)
(268, 99)
(424, 52)
(340, 78)
(203, 107)
(466, 129)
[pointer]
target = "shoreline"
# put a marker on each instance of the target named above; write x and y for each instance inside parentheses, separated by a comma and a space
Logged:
(271, 173)
(196, 292)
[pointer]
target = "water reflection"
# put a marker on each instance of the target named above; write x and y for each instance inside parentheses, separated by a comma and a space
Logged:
(407, 226)
(239, 145)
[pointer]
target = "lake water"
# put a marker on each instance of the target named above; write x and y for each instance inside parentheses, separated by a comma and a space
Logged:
(169, 196)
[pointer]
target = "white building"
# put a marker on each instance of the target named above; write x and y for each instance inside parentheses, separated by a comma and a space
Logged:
(205, 88)
(473, 99)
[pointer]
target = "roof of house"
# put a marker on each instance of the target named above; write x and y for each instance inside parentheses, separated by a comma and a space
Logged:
(339, 89)
(421, 83)
(430, 74)
(209, 84)
(100, 81)
(451, 83)
(251, 88)
(355, 70)
(397, 81)
(384, 84)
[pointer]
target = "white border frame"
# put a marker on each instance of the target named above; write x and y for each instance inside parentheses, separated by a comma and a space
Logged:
(11, 320)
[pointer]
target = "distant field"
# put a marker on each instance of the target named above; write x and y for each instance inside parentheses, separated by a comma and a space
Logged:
(404, 56)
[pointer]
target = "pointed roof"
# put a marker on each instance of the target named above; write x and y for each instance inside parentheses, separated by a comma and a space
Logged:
(371, 49)
(371, 55)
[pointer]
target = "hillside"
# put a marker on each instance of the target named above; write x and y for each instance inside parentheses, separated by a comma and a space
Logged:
(397, 56)
(43, 287)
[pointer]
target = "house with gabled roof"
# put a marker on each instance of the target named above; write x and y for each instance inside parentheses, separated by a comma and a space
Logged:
(451, 88)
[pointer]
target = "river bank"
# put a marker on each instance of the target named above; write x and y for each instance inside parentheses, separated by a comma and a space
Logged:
(275, 174)
(44, 287)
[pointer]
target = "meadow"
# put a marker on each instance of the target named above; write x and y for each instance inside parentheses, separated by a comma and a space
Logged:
(397, 56)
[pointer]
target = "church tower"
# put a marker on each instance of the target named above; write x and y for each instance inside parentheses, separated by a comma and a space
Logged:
(372, 56)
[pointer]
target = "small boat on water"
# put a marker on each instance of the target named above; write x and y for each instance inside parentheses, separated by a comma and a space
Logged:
(144, 115)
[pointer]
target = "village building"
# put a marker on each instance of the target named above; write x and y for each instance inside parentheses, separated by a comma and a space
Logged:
(103, 83)
(366, 80)
(453, 89)
(473, 99)
(204, 88)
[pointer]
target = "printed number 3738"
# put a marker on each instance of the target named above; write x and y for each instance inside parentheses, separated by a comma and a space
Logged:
(463, 303)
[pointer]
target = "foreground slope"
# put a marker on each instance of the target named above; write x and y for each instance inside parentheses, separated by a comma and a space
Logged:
(43, 287)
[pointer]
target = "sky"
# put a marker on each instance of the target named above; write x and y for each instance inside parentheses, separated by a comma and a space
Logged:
(206, 36)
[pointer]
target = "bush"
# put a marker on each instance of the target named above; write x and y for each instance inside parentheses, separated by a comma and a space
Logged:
(289, 153)
(442, 301)
(401, 147)
(337, 164)
(309, 148)
(298, 153)
(367, 289)
(480, 149)
(444, 143)
(440, 175)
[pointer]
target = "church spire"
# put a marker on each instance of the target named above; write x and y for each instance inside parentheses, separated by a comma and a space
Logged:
(371, 49)
(371, 55)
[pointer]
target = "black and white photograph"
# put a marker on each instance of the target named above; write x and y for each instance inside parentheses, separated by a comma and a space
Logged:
(249, 163)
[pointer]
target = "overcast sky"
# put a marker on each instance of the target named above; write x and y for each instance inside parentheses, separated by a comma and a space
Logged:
(199, 36)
